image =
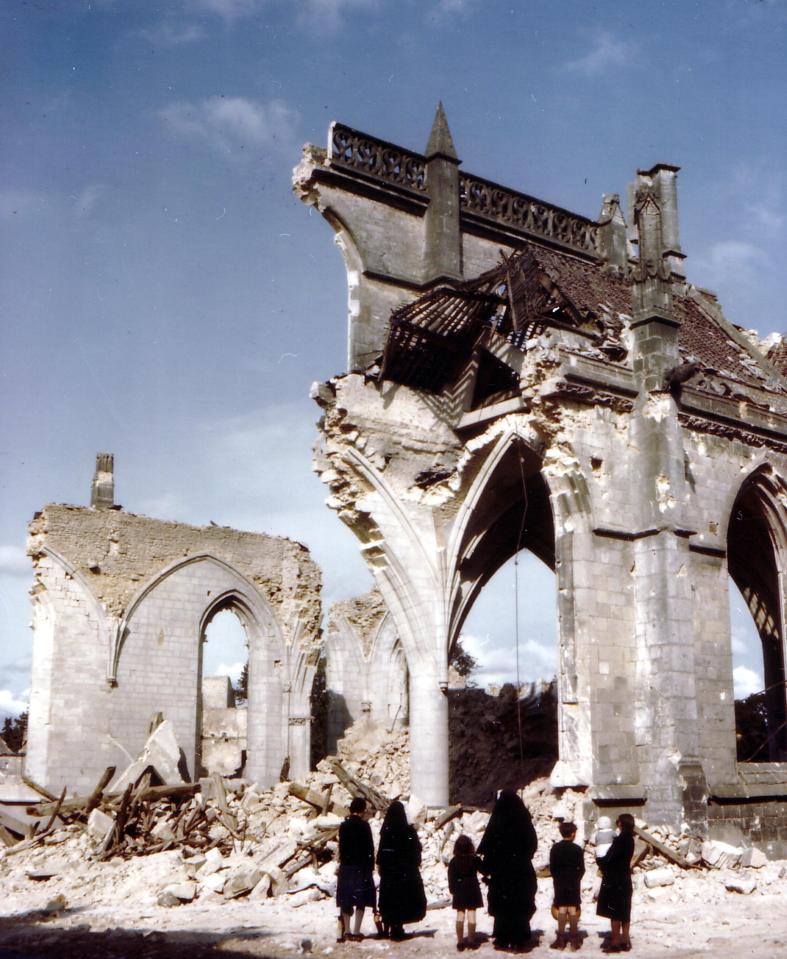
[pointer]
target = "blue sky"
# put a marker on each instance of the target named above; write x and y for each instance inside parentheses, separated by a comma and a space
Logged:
(165, 297)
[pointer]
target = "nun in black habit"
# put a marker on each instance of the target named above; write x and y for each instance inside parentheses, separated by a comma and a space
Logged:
(506, 852)
(401, 896)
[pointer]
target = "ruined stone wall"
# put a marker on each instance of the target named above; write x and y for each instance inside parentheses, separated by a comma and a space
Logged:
(121, 605)
(366, 671)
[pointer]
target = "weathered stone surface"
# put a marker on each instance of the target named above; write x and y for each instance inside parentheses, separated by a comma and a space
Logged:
(125, 598)
(99, 824)
(720, 855)
(241, 880)
(659, 877)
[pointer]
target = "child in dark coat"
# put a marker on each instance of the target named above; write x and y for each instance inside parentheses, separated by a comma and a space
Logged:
(614, 896)
(465, 890)
(567, 865)
(355, 878)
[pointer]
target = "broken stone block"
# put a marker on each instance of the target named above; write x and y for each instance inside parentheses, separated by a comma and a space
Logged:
(416, 811)
(720, 855)
(99, 825)
(297, 899)
(183, 891)
(262, 889)
(659, 877)
(745, 885)
(753, 858)
(163, 830)
(213, 862)
(279, 882)
(275, 852)
(167, 899)
(214, 882)
(58, 904)
(161, 752)
(241, 880)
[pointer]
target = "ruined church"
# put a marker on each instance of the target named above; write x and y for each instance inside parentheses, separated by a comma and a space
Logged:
(523, 377)
(519, 377)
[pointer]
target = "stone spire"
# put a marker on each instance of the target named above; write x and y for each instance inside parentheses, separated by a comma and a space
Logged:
(652, 289)
(443, 246)
(440, 140)
(102, 489)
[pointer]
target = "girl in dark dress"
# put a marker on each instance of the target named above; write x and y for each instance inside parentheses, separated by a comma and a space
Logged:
(614, 897)
(355, 878)
(506, 851)
(463, 886)
(402, 896)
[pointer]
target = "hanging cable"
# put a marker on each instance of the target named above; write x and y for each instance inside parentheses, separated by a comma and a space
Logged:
(519, 539)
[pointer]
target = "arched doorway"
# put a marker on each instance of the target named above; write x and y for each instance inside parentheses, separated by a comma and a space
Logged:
(755, 551)
(223, 691)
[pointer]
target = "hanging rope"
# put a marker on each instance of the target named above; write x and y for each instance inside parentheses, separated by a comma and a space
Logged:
(519, 539)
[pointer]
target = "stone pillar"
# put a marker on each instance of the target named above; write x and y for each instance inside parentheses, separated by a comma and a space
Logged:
(102, 489)
(428, 735)
(300, 737)
(665, 714)
(264, 735)
(443, 242)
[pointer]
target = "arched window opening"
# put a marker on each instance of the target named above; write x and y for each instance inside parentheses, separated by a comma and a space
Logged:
(223, 693)
(485, 718)
(761, 716)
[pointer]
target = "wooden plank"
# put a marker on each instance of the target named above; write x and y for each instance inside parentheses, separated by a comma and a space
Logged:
(355, 787)
(56, 810)
(95, 797)
(39, 789)
(447, 815)
(316, 800)
(664, 850)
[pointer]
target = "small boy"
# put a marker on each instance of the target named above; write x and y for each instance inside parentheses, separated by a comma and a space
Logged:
(567, 865)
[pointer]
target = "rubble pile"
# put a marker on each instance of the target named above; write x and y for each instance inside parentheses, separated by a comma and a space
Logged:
(218, 840)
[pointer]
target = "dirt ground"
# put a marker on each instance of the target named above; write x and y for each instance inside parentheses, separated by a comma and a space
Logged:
(678, 921)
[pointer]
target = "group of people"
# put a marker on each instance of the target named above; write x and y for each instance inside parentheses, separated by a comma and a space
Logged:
(504, 861)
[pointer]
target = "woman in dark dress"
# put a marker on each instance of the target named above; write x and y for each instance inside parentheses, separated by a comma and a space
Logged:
(355, 878)
(614, 897)
(507, 851)
(402, 896)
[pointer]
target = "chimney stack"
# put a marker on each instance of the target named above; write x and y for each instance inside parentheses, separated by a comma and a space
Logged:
(102, 489)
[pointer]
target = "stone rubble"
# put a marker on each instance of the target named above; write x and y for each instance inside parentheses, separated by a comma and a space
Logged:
(269, 843)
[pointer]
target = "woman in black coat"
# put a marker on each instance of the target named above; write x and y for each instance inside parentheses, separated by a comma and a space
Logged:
(614, 897)
(507, 851)
(402, 897)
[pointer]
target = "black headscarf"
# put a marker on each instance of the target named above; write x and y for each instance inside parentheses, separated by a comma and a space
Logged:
(395, 825)
(509, 824)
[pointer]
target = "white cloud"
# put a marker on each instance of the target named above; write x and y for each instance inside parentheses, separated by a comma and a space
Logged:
(497, 664)
(727, 258)
(14, 561)
(746, 681)
(233, 670)
(233, 125)
(11, 704)
(20, 203)
(328, 15)
(228, 9)
(169, 34)
(607, 52)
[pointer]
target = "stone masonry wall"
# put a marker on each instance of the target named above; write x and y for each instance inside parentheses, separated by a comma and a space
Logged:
(121, 603)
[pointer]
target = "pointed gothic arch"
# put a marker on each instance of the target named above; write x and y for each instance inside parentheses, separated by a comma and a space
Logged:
(756, 554)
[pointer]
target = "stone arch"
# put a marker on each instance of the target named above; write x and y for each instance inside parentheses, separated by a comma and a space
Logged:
(756, 553)
(164, 627)
(508, 486)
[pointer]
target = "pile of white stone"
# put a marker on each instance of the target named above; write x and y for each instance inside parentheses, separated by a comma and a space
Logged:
(273, 843)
